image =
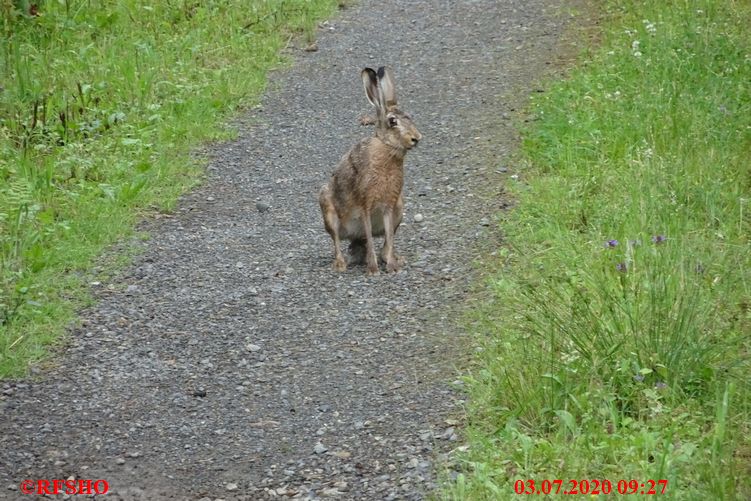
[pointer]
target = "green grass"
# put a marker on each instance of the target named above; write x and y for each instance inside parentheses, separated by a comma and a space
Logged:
(616, 340)
(100, 106)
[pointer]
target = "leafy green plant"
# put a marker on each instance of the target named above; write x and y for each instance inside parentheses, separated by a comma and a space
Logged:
(100, 105)
(616, 344)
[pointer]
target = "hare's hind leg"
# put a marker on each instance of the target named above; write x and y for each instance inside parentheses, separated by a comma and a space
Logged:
(331, 222)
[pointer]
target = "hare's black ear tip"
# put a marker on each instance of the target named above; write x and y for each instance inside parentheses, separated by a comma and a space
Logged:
(369, 76)
(381, 72)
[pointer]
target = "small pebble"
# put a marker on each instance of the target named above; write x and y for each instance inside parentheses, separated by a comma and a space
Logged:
(320, 448)
(418, 218)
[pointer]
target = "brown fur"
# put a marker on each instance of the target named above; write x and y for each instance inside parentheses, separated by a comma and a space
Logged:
(364, 200)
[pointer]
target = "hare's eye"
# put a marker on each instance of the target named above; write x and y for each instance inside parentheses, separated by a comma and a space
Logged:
(392, 121)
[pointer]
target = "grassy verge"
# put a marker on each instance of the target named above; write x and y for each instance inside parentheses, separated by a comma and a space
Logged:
(100, 104)
(616, 343)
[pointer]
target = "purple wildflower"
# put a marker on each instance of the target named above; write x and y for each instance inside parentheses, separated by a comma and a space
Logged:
(621, 267)
(658, 239)
(611, 243)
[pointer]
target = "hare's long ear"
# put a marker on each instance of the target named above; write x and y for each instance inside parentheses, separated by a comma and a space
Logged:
(374, 93)
(388, 87)
(370, 82)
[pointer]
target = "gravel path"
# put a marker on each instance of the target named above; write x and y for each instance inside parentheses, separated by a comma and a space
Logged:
(230, 362)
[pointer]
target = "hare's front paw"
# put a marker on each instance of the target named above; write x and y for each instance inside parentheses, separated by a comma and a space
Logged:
(373, 270)
(399, 258)
(340, 264)
(393, 266)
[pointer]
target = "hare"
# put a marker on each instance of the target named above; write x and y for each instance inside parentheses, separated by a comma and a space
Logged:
(363, 199)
